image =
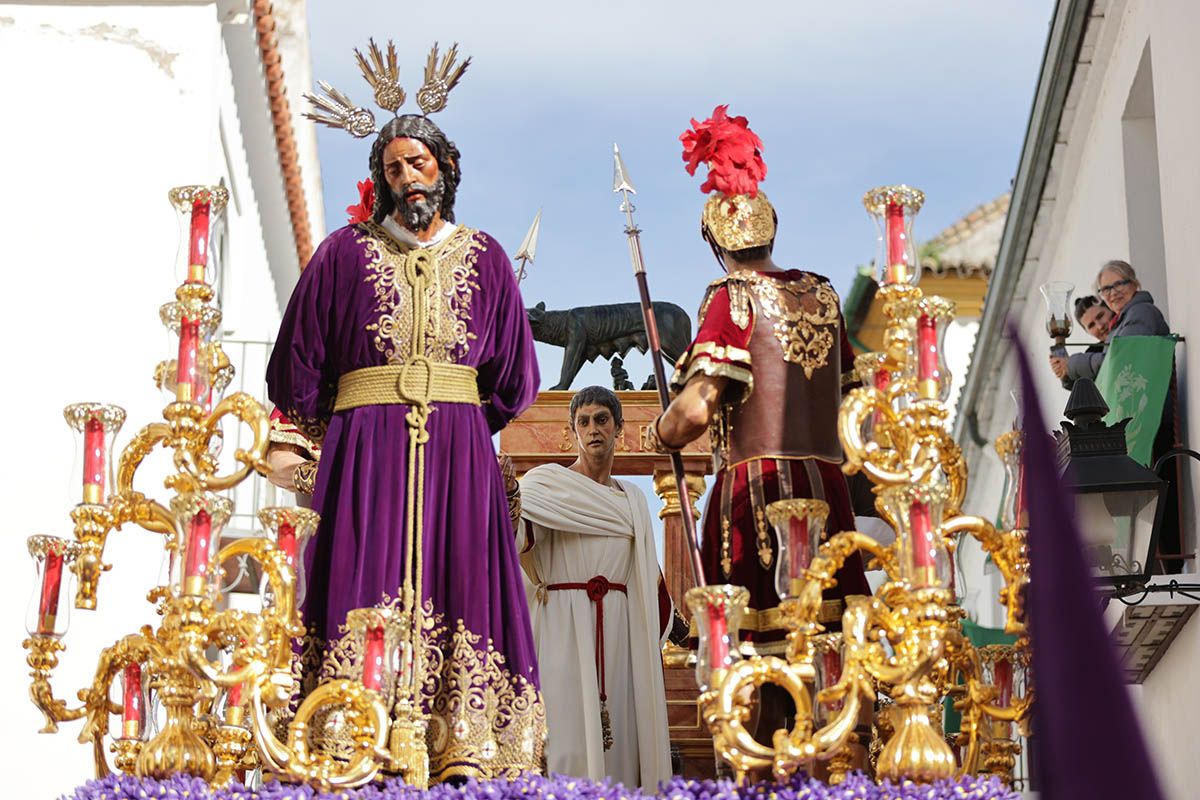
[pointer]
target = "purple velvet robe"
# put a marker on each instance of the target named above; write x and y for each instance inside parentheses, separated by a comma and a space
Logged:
(352, 308)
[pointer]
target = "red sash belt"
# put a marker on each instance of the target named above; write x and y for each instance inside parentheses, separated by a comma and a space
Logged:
(596, 588)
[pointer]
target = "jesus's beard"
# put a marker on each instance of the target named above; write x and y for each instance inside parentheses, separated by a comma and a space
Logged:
(418, 213)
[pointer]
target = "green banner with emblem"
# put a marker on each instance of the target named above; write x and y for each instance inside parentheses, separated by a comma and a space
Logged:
(1134, 381)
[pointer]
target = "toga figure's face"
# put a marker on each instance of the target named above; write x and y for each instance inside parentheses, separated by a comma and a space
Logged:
(415, 182)
(596, 431)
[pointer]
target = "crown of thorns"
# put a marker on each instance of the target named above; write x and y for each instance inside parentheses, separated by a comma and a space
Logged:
(334, 108)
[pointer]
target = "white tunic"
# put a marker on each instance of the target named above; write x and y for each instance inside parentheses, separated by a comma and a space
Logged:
(573, 529)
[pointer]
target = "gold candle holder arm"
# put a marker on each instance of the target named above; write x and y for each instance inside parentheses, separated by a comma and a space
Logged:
(954, 467)
(366, 716)
(974, 699)
(252, 413)
(134, 506)
(727, 711)
(1008, 552)
(227, 625)
(857, 408)
(277, 624)
(134, 648)
(855, 684)
(43, 659)
(92, 526)
(726, 708)
(93, 523)
(830, 557)
(980, 694)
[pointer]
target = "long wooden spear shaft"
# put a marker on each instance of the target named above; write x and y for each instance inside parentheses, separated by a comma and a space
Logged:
(621, 184)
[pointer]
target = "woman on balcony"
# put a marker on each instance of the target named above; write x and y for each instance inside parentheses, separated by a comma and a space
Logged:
(1135, 315)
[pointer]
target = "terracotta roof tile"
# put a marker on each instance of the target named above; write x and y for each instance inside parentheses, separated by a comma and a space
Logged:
(285, 136)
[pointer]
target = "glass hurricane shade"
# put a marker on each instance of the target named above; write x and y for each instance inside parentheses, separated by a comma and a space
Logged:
(718, 610)
(95, 426)
(48, 610)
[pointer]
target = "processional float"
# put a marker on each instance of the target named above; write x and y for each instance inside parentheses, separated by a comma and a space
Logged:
(212, 691)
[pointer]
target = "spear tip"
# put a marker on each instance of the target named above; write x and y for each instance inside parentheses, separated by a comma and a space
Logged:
(621, 182)
(528, 249)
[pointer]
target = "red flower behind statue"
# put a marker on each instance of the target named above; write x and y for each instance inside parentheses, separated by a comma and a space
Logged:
(362, 211)
(731, 150)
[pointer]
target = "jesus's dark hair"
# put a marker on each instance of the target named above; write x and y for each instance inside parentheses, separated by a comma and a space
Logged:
(414, 126)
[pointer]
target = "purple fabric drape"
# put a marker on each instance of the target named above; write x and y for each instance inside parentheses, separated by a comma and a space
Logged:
(1086, 736)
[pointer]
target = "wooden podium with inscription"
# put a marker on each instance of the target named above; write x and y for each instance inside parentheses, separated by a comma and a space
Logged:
(542, 435)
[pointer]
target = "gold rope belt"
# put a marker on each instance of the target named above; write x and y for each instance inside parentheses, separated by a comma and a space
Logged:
(418, 382)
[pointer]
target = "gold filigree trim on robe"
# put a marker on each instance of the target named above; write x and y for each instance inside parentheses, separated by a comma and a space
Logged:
(284, 431)
(484, 722)
(313, 428)
(449, 296)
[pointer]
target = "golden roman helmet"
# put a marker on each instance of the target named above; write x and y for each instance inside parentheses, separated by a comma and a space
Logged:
(737, 215)
(740, 221)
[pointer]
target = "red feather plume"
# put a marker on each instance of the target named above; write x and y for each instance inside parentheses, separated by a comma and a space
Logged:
(366, 196)
(731, 151)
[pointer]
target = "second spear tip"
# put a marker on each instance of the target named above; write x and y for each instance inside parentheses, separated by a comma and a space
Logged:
(621, 182)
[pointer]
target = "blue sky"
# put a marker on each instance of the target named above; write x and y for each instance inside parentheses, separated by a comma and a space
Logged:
(845, 96)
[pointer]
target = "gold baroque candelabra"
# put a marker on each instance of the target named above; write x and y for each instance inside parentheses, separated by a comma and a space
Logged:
(906, 641)
(205, 730)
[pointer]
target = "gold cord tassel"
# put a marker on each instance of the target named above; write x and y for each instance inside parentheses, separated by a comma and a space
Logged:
(606, 725)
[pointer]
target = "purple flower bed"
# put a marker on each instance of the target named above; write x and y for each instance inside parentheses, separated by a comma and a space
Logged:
(535, 787)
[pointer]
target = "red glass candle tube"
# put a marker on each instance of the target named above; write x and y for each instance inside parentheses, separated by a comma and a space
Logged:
(1003, 673)
(883, 380)
(131, 707)
(1004, 682)
(928, 373)
(233, 705)
(198, 241)
(372, 676)
(831, 666)
(924, 556)
(286, 542)
(718, 638)
(897, 255)
(199, 547)
(799, 548)
(52, 575)
(188, 383)
(93, 461)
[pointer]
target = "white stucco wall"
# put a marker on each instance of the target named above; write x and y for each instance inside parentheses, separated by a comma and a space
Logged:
(1084, 221)
(109, 107)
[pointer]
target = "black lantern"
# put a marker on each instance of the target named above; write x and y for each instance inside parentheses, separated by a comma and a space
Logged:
(1118, 502)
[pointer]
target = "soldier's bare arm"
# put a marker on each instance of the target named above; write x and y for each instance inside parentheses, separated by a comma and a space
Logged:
(688, 416)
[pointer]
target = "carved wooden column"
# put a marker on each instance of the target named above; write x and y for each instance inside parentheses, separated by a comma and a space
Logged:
(677, 565)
